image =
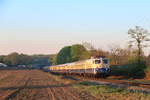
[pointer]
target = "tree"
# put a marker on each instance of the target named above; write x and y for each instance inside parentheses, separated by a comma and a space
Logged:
(117, 55)
(71, 53)
(79, 52)
(52, 59)
(24, 59)
(88, 46)
(1, 59)
(40, 59)
(64, 55)
(139, 37)
(12, 59)
(98, 53)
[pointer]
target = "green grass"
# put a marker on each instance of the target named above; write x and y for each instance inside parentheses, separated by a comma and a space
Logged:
(140, 81)
(85, 83)
(104, 92)
(95, 88)
(61, 79)
(147, 69)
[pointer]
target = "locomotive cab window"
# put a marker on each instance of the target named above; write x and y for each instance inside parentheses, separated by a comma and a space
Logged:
(105, 61)
(97, 62)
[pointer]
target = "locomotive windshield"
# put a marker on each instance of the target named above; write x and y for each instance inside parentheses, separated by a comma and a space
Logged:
(97, 61)
(105, 61)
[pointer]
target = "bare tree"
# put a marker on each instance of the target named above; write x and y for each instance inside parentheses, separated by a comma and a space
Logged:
(118, 55)
(140, 37)
(88, 46)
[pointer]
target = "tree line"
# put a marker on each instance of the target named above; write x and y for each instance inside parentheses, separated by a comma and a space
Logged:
(132, 56)
(14, 59)
(77, 52)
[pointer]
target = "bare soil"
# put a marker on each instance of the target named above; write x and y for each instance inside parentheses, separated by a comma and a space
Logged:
(147, 76)
(36, 85)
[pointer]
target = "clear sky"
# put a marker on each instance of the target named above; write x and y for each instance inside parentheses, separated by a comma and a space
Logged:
(45, 26)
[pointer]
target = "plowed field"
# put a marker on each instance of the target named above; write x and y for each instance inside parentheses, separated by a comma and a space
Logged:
(36, 85)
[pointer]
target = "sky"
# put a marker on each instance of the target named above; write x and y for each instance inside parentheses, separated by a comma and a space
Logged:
(45, 26)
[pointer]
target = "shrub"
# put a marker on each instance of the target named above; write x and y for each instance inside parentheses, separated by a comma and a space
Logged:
(119, 70)
(136, 68)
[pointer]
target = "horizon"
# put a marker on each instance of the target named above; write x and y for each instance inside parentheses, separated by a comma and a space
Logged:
(44, 27)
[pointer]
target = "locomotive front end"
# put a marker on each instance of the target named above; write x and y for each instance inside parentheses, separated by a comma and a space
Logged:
(102, 67)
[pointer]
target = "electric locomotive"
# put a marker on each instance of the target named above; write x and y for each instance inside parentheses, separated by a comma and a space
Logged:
(96, 66)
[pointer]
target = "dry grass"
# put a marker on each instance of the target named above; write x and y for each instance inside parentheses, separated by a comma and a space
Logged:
(62, 79)
(104, 92)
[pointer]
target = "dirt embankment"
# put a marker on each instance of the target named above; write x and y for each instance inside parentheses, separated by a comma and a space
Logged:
(147, 76)
(36, 85)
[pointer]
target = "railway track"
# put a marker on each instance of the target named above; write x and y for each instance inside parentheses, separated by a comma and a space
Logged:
(126, 84)
(123, 83)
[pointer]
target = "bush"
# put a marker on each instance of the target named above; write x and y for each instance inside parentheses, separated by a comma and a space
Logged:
(147, 69)
(137, 69)
(119, 70)
(134, 69)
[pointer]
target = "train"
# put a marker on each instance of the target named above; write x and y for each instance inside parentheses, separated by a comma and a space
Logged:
(95, 66)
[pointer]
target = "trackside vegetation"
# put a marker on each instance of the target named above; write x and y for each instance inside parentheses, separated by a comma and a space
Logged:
(102, 92)
(133, 69)
(129, 61)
